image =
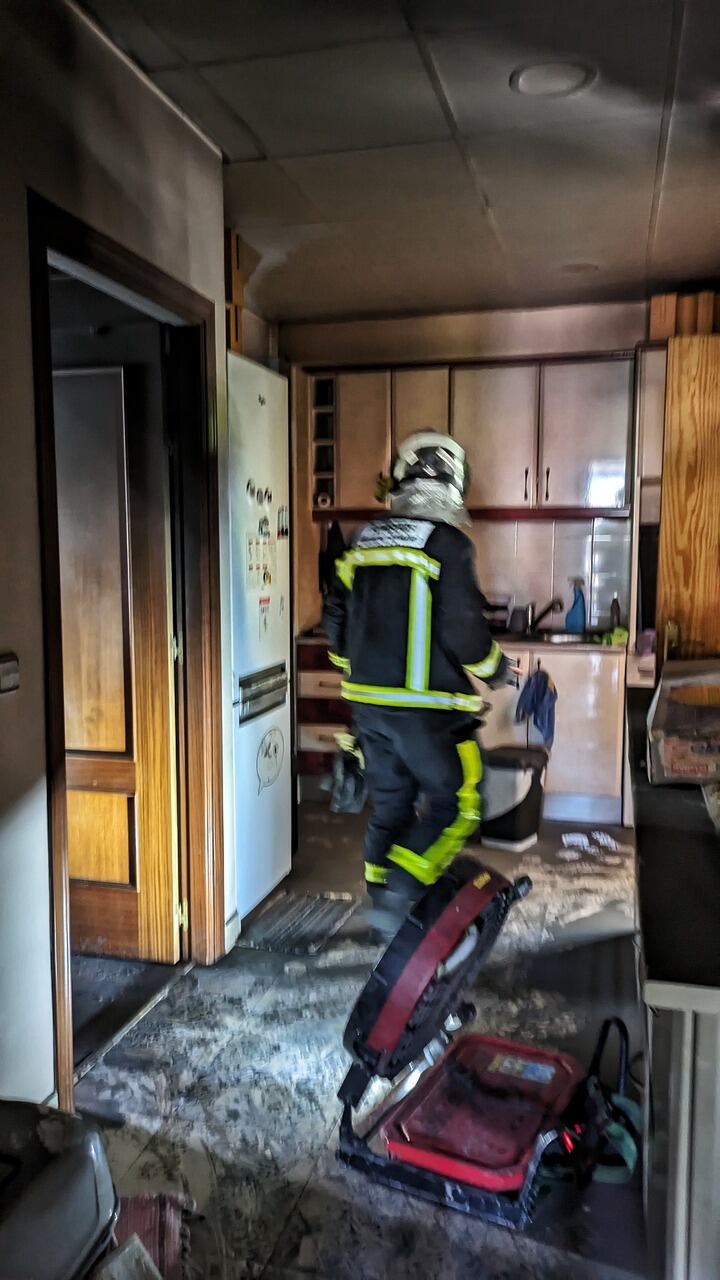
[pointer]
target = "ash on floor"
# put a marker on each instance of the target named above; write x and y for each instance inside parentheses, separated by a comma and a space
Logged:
(226, 1091)
(106, 995)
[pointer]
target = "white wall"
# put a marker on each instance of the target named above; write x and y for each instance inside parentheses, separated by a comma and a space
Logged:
(80, 127)
(466, 335)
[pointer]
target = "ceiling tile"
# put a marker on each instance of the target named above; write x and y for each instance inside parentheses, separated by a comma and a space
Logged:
(200, 101)
(357, 185)
(475, 67)
(128, 29)
(356, 97)
(466, 15)
(698, 73)
(693, 152)
(687, 234)
(575, 189)
(224, 30)
(438, 262)
(259, 194)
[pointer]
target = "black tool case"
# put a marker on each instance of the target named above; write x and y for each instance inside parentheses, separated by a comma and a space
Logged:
(58, 1206)
(474, 1122)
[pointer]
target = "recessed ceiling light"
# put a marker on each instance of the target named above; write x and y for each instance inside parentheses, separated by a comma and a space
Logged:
(579, 268)
(551, 79)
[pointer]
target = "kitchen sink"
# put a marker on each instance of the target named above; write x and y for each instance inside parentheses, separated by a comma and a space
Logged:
(563, 637)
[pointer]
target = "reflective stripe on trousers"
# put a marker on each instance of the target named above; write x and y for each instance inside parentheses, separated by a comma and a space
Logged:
(427, 867)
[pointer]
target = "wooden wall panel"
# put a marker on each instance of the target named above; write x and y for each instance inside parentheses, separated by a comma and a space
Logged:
(101, 837)
(689, 563)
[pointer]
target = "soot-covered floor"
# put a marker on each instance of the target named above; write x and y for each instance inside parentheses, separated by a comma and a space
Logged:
(225, 1091)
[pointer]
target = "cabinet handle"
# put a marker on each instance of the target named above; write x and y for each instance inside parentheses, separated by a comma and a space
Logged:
(547, 484)
(527, 477)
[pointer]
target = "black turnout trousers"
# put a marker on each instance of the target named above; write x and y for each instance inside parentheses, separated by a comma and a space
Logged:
(423, 770)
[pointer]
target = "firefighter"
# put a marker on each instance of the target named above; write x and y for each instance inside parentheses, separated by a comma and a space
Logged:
(406, 623)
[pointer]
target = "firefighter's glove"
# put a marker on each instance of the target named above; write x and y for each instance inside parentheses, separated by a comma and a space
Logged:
(507, 673)
(383, 486)
(349, 789)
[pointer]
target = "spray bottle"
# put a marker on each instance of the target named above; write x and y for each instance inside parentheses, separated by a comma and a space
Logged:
(575, 618)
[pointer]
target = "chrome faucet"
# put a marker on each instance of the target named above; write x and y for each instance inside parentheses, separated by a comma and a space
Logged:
(534, 619)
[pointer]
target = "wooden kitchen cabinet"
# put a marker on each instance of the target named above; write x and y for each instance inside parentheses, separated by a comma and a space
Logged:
(585, 408)
(494, 418)
(420, 401)
(362, 409)
(500, 727)
(587, 755)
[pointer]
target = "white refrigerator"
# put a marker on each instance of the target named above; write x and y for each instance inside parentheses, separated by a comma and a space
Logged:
(259, 481)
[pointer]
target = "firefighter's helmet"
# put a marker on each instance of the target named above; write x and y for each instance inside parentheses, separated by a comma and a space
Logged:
(432, 455)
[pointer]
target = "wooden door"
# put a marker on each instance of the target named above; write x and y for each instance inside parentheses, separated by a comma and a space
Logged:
(420, 401)
(494, 417)
(689, 561)
(114, 537)
(362, 406)
(585, 415)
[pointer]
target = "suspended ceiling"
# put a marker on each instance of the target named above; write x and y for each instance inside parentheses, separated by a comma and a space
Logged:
(378, 161)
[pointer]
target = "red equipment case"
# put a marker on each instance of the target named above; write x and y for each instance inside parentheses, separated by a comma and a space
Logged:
(477, 1123)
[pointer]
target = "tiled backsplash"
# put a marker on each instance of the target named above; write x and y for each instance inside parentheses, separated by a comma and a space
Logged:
(534, 561)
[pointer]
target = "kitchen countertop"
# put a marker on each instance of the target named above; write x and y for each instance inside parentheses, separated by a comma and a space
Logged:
(521, 644)
(534, 644)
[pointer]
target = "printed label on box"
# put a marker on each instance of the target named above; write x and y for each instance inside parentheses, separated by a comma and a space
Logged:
(523, 1068)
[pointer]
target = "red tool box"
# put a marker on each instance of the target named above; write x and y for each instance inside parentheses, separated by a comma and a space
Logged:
(477, 1123)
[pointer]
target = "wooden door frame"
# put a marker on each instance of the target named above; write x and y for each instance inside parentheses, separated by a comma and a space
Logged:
(52, 229)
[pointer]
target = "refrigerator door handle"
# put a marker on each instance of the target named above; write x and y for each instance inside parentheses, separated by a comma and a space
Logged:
(262, 691)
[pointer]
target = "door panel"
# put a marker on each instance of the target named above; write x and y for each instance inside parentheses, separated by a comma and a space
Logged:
(494, 417)
(363, 435)
(500, 727)
(113, 519)
(586, 757)
(420, 401)
(585, 431)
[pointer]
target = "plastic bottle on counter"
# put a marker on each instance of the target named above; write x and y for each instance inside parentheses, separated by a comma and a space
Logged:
(615, 618)
(575, 618)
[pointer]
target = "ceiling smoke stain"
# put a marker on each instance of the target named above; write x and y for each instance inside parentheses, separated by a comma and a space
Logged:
(384, 123)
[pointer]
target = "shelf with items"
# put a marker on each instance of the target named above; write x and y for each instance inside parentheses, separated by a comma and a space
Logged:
(323, 460)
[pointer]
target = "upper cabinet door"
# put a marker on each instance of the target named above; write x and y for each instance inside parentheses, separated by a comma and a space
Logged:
(585, 410)
(494, 417)
(362, 405)
(420, 401)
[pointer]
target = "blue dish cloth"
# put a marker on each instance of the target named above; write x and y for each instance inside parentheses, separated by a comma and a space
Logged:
(537, 701)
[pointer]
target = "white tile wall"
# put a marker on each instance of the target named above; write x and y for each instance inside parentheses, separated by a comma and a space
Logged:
(534, 561)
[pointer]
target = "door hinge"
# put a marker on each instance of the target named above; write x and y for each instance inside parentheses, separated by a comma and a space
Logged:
(182, 915)
(177, 649)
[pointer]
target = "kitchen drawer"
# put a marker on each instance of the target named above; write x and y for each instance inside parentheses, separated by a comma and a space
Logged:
(319, 737)
(319, 684)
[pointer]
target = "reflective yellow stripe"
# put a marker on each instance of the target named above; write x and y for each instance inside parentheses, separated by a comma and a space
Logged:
(427, 867)
(345, 571)
(337, 661)
(375, 874)
(378, 696)
(385, 557)
(417, 675)
(489, 665)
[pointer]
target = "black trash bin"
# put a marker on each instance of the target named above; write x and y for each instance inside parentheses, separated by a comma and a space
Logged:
(512, 796)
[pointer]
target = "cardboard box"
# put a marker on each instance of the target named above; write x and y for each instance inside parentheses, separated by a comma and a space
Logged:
(683, 727)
